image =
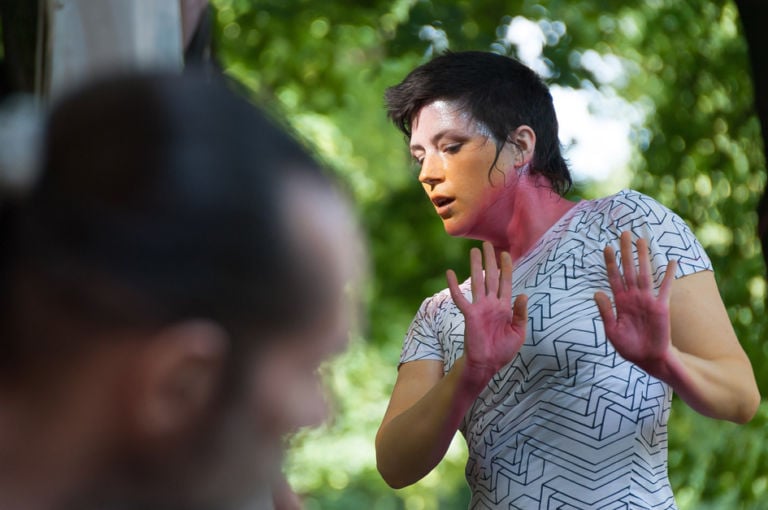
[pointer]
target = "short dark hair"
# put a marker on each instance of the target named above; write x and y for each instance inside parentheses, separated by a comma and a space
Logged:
(496, 90)
(162, 198)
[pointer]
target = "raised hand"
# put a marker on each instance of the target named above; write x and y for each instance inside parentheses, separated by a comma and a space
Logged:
(640, 328)
(494, 330)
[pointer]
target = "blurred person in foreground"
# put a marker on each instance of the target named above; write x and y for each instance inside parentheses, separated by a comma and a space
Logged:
(171, 281)
(562, 393)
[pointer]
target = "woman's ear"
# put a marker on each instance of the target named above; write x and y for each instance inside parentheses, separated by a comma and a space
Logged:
(524, 138)
(178, 372)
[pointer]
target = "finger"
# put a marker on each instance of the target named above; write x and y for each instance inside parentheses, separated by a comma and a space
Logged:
(612, 270)
(520, 312)
(505, 292)
(453, 287)
(643, 264)
(605, 308)
(476, 273)
(491, 270)
(666, 283)
(627, 260)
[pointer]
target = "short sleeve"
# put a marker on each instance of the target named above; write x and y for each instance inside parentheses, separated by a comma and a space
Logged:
(669, 237)
(421, 341)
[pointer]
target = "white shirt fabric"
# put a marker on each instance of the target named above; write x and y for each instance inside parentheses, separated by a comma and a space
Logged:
(568, 424)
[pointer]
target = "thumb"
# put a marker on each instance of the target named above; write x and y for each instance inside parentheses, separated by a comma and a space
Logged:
(606, 310)
(520, 311)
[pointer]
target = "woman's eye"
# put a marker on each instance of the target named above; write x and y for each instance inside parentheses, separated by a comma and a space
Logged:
(418, 160)
(453, 148)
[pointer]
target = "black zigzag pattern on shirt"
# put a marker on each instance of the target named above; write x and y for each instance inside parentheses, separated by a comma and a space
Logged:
(598, 439)
(568, 424)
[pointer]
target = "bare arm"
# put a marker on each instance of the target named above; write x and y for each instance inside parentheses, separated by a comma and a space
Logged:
(713, 373)
(683, 336)
(426, 408)
(424, 413)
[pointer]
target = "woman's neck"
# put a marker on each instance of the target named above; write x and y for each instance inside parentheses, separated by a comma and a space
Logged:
(532, 210)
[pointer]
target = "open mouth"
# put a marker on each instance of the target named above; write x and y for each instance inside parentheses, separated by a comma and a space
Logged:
(441, 201)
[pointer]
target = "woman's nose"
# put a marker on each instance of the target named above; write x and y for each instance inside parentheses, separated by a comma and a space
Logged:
(432, 171)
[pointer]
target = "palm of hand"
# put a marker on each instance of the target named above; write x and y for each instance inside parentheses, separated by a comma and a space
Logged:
(492, 335)
(640, 329)
(493, 329)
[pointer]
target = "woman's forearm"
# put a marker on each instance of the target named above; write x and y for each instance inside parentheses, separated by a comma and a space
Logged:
(411, 444)
(722, 389)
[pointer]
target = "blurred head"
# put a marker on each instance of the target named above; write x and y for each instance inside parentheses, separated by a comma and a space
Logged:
(180, 238)
(499, 92)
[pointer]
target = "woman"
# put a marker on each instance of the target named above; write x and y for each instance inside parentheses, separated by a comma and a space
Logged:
(162, 320)
(562, 400)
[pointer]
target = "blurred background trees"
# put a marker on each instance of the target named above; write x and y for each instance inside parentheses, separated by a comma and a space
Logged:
(674, 74)
(653, 94)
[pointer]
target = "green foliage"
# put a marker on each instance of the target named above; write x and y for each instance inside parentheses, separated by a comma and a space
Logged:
(715, 465)
(335, 465)
(324, 65)
(705, 159)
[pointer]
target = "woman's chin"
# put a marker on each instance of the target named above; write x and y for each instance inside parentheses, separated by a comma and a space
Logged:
(454, 228)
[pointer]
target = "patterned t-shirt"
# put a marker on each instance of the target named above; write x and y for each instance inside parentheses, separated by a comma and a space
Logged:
(568, 424)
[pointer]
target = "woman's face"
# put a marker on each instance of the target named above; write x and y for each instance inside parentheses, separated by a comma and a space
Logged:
(455, 154)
